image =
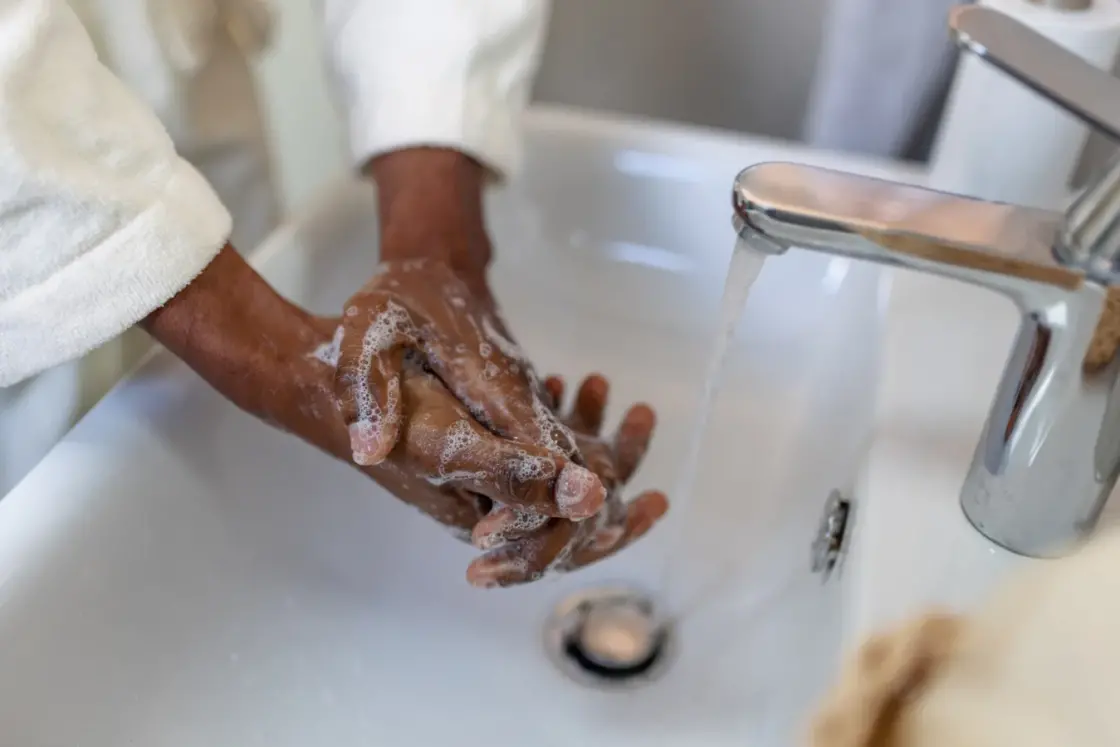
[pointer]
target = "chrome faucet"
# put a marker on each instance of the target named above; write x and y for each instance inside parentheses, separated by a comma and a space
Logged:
(1049, 455)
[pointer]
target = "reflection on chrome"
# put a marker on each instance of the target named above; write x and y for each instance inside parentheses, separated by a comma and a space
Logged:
(1049, 455)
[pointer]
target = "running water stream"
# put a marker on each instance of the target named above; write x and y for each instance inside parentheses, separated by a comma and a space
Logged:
(746, 265)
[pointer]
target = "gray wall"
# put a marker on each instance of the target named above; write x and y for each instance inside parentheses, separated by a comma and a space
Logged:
(739, 64)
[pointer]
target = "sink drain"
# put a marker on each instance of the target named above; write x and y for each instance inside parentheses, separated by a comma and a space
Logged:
(608, 638)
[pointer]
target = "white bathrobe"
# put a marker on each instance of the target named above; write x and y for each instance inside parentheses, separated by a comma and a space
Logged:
(103, 218)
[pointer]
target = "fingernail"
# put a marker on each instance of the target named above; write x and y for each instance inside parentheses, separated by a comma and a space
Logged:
(579, 494)
(366, 444)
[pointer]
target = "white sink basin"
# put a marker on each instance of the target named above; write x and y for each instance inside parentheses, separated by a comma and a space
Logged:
(176, 574)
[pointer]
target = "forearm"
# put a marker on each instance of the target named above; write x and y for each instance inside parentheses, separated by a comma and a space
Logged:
(242, 337)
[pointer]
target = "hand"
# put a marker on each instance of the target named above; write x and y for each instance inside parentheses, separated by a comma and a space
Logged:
(523, 552)
(420, 313)
(434, 252)
(430, 207)
(277, 362)
(455, 470)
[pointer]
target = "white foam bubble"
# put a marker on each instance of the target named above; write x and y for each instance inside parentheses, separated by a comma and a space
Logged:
(477, 411)
(551, 433)
(528, 467)
(381, 334)
(526, 521)
(520, 522)
(509, 348)
(519, 556)
(330, 352)
(484, 349)
(574, 484)
(490, 371)
(458, 437)
(458, 475)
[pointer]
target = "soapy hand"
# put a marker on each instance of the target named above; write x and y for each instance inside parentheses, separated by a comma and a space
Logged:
(277, 362)
(455, 470)
(423, 310)
(418, 317)
(429, 448)
(522, 548)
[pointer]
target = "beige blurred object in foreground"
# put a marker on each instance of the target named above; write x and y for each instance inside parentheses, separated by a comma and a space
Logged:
(1034, 667)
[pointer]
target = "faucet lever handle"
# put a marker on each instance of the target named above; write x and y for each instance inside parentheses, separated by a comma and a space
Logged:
(1088, 93)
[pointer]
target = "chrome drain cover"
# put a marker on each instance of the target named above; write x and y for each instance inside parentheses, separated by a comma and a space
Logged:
(609, 638)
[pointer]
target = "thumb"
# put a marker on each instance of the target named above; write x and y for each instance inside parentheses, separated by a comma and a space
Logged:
(368, 379)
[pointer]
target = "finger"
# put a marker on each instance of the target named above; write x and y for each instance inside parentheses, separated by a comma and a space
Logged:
(531, 479)
(482, 365)
(522, 561)
(632, 439)
(591, 402)
(599, 458)
(641, 515)
(324, 339)
(554, 385)
(505, 524)
(466, 456)
(368, 379)
(500, 397)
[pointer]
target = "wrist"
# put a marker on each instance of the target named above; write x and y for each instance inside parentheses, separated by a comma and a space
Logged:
(430, 206)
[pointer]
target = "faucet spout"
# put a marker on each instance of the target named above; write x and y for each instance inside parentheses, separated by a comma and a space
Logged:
(1049, 454)
(976, 241)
